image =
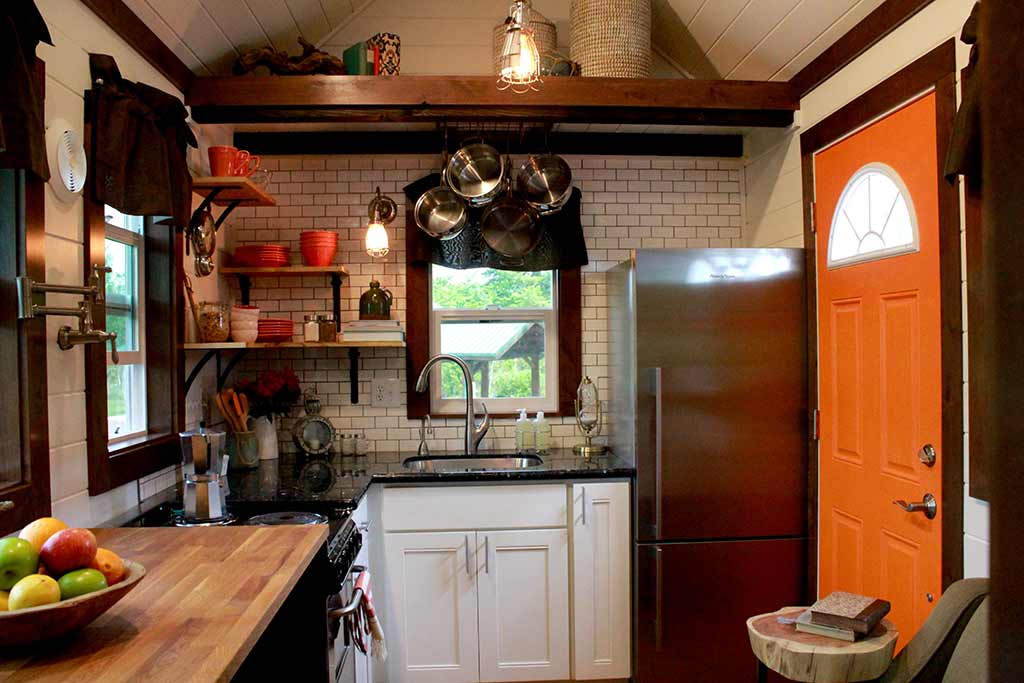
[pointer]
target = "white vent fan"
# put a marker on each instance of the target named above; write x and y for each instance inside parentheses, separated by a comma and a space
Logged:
(66, 155)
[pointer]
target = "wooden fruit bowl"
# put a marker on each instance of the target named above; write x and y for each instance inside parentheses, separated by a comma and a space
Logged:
(34, 624)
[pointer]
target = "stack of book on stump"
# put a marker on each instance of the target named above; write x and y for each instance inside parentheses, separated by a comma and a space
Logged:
(372, 331)
(846, 616)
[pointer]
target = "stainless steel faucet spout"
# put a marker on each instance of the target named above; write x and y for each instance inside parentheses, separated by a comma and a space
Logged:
(474, 434)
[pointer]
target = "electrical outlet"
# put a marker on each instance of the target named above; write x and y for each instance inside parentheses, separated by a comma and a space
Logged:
(384, 393)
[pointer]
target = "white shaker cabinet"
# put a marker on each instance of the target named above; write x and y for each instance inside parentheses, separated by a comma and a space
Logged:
(433, 632)
(523, 594)
(601, 580)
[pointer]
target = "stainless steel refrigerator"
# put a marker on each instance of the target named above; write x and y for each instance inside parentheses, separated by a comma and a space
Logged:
(709, 391)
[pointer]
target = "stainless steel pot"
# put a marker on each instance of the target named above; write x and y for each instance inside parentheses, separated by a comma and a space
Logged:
(545, 182)
(440, 213)
(477, 173)
(511, 227)
(203, 236)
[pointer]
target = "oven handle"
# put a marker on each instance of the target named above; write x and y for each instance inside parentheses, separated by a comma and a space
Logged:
(357, 598)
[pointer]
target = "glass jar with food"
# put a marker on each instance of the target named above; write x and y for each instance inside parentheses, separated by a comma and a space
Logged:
(310, 329)
(328, 328)
(213, 322)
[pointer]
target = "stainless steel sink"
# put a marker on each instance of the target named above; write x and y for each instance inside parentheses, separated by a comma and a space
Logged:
(459, 463)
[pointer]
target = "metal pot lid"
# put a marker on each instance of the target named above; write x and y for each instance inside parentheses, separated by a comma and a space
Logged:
(440, 213)
(511, 227)
(284, 518)
(313, 434)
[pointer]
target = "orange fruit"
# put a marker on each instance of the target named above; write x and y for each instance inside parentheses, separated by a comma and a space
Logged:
(38, 531)
(109, 564)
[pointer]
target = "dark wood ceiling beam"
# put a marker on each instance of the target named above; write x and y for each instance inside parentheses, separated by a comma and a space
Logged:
(431, 142)
(134, 31)
(882, 21)
(439, 98)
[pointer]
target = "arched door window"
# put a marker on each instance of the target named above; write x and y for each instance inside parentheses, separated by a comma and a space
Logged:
(874, 218)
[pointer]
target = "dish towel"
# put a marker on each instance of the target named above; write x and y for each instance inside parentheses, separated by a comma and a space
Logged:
(378, 648)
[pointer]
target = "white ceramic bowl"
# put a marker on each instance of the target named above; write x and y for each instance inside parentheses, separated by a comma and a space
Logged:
(237, 324)
(246, 336)
(245, 312)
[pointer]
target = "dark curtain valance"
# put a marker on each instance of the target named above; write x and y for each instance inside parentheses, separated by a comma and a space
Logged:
(137, 155)
(561, 247)
(964, 154)
(22, 128)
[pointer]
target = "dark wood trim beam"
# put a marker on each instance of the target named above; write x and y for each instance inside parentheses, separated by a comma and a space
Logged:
(134, 31)
(430, 142)
(1002, 108)
(892, 92)
(437, 98)
(885, 19)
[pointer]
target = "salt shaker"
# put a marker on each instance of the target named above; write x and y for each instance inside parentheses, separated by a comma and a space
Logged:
(311, 329)
(362, 444)
(348, 444)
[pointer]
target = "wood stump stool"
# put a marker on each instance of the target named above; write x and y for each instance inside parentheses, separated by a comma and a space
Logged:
(807, 657)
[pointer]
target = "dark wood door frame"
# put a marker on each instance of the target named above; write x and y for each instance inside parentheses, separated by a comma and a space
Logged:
(934, 71)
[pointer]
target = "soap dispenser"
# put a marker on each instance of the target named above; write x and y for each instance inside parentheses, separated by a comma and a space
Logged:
(542, 433)
(524, 433)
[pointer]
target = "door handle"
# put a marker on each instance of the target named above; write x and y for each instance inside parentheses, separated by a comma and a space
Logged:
(487, 555)
(6, 505)
(658, 599)
(468, 571)
(657, 450)
(928, 506)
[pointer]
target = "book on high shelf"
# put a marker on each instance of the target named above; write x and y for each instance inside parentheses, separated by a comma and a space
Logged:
(368, 336)
(805, 625)
(858, 613)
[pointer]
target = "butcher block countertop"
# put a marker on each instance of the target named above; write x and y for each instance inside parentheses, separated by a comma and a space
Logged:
(207, 596)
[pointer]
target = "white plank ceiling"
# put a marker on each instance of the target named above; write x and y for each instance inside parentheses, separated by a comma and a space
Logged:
(743, 39)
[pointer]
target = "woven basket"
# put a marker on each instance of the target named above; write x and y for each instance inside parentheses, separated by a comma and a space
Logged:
(611, 37)
(544, 34)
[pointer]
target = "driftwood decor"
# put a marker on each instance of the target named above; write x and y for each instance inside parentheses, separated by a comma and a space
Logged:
(280, 63)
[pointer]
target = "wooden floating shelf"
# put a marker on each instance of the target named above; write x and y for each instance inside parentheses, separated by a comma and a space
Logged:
(284, 271)
(379, 99)
(227, 346)
(232, 189)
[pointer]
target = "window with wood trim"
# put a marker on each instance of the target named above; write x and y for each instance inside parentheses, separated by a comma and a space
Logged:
(504, 324)
(540, 312)
(134, 409)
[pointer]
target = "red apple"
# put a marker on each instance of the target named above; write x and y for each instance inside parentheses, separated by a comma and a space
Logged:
(67, 550)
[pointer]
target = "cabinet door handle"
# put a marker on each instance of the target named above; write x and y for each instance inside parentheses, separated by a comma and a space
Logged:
(487, 555)
(584, 489)
(467, 557)
(658, 600)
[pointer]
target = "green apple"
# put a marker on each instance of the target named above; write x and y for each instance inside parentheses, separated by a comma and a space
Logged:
(80, 582)
(18, 559)
(32, 591)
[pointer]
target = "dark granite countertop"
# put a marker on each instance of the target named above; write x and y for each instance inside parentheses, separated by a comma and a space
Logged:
(343, 480)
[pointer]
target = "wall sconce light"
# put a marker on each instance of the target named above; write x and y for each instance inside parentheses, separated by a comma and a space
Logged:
(520, 60)
(382, 210)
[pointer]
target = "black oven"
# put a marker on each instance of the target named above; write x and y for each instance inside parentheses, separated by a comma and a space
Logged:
(342, 552)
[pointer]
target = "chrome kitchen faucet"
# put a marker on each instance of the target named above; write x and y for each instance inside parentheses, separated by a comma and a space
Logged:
(474, 434)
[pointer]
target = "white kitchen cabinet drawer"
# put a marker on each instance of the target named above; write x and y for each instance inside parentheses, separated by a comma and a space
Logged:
(442, 508)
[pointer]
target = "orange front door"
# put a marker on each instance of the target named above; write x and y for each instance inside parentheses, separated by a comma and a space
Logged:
(879, 362)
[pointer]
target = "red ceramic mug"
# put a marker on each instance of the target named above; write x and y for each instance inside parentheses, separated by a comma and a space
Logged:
(245, 164)
(222, 160)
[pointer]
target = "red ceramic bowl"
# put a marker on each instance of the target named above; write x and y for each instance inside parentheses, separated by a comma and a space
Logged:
(319, 255)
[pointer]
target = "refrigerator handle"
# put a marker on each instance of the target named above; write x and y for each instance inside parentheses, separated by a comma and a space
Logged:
(657, 458)
(658, 600)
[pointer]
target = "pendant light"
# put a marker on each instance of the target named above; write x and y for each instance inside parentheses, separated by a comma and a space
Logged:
(520, 60)
(382, 210)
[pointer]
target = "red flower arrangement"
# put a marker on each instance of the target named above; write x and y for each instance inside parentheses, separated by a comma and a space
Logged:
(274, 392)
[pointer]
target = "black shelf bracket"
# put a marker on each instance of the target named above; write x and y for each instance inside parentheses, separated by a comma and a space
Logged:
(336, 294)
(353, 374)
(207, 203)
(222, 373)
(245, 285)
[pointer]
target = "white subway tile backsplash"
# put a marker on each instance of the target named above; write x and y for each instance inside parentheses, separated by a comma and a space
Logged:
(628, 203)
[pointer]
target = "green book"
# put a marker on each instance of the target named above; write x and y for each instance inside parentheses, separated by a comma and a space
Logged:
(355, 60)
